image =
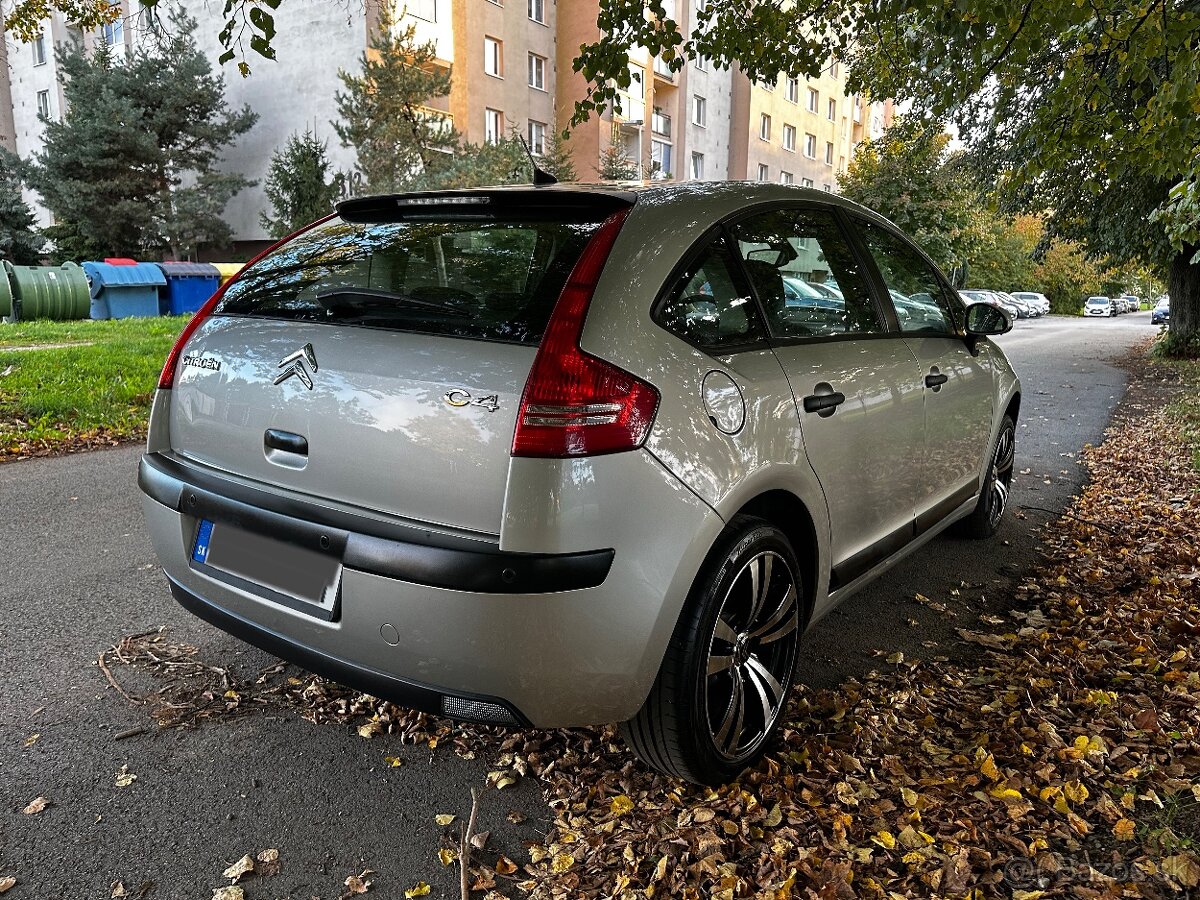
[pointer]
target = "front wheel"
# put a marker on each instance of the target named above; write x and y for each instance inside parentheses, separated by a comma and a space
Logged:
(725, 677)
(993, 500)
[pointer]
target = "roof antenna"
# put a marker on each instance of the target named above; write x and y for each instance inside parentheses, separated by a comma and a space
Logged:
(540, 176)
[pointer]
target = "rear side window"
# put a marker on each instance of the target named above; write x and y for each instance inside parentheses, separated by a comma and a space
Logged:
(482, 278)
(708, 307)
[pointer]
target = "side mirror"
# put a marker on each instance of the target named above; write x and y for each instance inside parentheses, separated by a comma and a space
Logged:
(984, 320)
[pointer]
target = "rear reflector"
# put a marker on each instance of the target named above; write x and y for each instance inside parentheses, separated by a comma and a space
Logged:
(575, 404)
(167, 379)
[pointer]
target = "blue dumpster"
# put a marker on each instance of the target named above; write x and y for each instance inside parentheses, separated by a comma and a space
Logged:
(122, 292)
(189, 285)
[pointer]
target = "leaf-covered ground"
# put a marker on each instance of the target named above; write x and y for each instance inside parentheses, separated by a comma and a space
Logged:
(1066, 763)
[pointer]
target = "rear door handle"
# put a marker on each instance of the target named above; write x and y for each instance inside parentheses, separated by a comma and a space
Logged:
(824, 405)
(274, 439)
(936, 379)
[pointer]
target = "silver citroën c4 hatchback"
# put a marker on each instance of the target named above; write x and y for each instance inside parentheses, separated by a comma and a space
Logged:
(561, 455)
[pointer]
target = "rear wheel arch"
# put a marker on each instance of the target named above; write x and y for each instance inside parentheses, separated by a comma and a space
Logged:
(788, 513)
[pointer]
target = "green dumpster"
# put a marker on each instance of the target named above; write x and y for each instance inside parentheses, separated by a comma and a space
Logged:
(8, 312)
(49, 292)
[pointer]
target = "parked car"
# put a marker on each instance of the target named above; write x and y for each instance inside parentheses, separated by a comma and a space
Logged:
(1038, 301)
(1134, 303)
(1099, 306)
(532, 456)
(991, 297)
(1161, 315)
(1025, 309)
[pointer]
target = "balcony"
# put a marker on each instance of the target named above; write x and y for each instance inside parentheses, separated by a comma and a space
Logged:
(662, 71)
(660, 124)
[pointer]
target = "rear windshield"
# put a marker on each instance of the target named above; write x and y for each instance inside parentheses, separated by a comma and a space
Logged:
(487, 279)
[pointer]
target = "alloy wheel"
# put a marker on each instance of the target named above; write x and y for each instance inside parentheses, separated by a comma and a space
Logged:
(1001, 474)
(751, 655)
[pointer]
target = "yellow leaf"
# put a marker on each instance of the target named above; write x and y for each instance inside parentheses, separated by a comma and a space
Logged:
(1124, 830)
(1028, 895)
(1007, 794)
(885, 839)
(1075, 791)
(394, 762)
(621, 805)
(418, 890)
(444, 819)
(729, 828)
(660, 871)
(29, 742)
(1183, 868)
(561, 863)
(125, 778)
(774, 817)
(1060, 805)
(988, 768)
(370, 729)
(1047, 792)
(447, 856)
(243, 866)
(911, 797)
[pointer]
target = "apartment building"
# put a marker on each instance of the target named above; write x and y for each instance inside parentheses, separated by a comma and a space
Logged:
(511, 64)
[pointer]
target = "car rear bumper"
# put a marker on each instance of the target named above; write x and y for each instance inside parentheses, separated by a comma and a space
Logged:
(445, 624)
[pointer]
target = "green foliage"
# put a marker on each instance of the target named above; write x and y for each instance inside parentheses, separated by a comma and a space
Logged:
(1002, 255)
(384, 114)
(19, 240)
(130, 170)
(476, 165)
(907, 176)
(1083, 111)
(556, 158)
(615, 164)
(299, 186)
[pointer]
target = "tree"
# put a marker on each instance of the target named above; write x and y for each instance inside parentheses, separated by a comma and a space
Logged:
(384, 114)
(1084, 111)
(131, 169)
(298, 186)
(19, 241)
(476, 165)
(907, 175)
(615, 164)
(556, 158)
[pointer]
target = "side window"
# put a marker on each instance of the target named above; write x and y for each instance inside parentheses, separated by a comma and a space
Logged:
(922, 305)
(706, 306)
(807, 277)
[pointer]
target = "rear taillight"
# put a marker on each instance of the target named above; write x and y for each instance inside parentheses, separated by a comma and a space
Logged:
(167, 379)
(575, 404)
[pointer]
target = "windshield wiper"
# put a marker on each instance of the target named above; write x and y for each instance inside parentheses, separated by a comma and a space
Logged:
(344, 301)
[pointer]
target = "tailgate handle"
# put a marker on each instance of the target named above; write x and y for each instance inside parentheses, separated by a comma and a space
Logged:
(274, 439)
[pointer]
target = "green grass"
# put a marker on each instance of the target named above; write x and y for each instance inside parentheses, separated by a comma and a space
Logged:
(58, 396)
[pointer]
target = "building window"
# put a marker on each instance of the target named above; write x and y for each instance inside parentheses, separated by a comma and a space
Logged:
(698, 166)
(660, 159)
(810, 146)
(113, 33)
(493, 57)
(829, 153)
(785, 178)
(793, 90)
(763, 172)
(43, 102)
(827, 188)
(833, 69)
(832, 109)
(806, 182)
(537, 137)
(422, 9)
(699, 111)
(39, 49)
(768, 86)
(789, 138)
(814, 100)
(701, 63)
(493, 125)
(660, 123)
(537, 71)
(537, 11)
(632, 100)
(764, 128)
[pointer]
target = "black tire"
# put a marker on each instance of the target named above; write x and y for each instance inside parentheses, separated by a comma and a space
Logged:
(993, 499)
(728, 634)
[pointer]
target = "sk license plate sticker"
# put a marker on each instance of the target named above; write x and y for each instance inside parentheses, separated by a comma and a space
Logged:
(203, 539)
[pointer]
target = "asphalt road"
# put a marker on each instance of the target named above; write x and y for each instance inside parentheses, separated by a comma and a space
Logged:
(77, 574)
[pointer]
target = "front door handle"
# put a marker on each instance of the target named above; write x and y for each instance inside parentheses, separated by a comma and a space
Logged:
(936, 379)
(824, 403)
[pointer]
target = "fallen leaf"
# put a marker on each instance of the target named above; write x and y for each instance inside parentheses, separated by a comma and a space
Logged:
(268, 863)
(228, 893)
(118, 890)
(31, 740)
(479, 839)
(7, 883)
(394, 762)
(621, 805)
(561, 863)
(1183, 868)
(444, 819)
(358, 884)
(447, 856)
(1124, 830)
(125, 778)
(420, 889)
(36, 805)
(239, 869)
(505, 866)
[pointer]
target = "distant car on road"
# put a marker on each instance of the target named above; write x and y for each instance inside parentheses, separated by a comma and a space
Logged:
(1161, 314)
(1099, 306)
(979, 296)
(1040, 301)
(1134, 303)
(1026, 309)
